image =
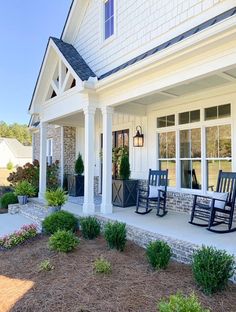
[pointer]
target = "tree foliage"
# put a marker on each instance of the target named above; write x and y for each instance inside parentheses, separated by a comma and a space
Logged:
(17, 131)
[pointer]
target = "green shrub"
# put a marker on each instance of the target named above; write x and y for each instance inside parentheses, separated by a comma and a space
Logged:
(102, 266)
(63, 241)
(24, 188)
(180, 303)
(46, 265)
(90, 227)
(158, 254)
(56, 198)
(79, 165)
(212, 268)
(61, 220)
(10, 166)
(124, 171)
(115, 235)
(7, 199)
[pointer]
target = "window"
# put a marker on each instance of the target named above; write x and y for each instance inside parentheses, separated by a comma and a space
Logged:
(166, 121)
(167, 155)
(218, 152)
(216, 112)
(189, 117)
(49, 151)
(188, 148)
(190, 158)
(108, 18)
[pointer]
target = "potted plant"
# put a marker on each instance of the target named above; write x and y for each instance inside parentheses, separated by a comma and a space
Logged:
(76, 181)
(55, 199)
(23, 190)
(124, 190)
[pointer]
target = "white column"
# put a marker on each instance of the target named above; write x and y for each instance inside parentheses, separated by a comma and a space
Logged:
(88, 206)
(43, 160)
(106, 206)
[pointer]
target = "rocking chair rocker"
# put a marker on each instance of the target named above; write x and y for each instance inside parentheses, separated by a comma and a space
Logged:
(154, 195)
(220, 210)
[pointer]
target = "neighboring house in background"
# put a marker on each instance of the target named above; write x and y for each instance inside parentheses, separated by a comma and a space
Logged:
(11, 150)
(167, 66)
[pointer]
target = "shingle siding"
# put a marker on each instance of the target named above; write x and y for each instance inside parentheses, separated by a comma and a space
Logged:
(141, 25)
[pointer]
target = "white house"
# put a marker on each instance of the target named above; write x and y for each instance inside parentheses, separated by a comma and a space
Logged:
(167, 66)
(12, 151)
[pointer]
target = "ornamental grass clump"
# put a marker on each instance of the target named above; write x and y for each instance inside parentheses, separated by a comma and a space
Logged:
(158, 254)
(102, 266)
(212, 268)
(8, 199)
(90, 227)
(61, 220)
(115, 235)
(46, 266)
(18, 237)
(181, 303)
(63, 241)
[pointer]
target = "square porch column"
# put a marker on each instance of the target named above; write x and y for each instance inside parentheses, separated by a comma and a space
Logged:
(43, 160)
(106, 206)
(88, 206)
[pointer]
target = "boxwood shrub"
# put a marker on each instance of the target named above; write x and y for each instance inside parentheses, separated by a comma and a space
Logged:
(63, 241)
(61, 220)
(158, 254)
(8, 199)
(181, 303)
(90, 227)
(115, 235)
(212, 268)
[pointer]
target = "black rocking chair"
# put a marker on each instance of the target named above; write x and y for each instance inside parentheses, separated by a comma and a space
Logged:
(220, 209)
(155, 194)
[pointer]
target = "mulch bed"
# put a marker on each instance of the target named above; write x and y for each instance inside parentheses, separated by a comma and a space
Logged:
(73, 286)
(3, 210)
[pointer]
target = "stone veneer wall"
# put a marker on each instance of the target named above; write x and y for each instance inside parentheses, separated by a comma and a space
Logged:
(69, 149)
(53, 132)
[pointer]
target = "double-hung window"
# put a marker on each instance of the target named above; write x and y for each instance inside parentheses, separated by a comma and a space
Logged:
(109, 19)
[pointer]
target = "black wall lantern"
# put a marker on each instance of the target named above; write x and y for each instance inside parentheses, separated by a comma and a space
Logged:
(138, 139)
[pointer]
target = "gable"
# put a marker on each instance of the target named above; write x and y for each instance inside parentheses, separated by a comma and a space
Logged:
(62, 69)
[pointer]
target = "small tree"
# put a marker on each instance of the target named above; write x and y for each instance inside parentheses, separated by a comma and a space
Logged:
(124, 171)
(79, 165)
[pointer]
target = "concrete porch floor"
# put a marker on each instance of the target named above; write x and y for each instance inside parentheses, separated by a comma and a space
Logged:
(174, 225)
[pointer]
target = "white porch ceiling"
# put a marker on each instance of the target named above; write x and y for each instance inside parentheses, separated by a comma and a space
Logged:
(198, 85)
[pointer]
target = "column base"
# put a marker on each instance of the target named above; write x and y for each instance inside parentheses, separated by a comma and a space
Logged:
(89, 208)
(41, 195)
(106, 208)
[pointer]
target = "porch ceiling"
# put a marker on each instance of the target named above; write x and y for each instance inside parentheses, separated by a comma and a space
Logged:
(216, 80)
(75, 120)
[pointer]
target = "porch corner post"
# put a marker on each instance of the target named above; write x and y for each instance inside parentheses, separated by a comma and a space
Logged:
(88, 206)
(106, 206)
(43, 160)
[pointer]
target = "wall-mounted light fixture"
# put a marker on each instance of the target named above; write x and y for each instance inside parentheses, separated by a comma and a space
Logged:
(138, 139)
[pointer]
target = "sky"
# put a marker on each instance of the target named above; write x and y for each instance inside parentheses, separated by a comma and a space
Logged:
(25, 26)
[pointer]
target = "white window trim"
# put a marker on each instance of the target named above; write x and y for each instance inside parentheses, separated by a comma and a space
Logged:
(104, 41)
(202, 124)
(50, 140)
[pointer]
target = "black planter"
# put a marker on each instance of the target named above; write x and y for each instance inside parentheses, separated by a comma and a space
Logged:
(124, 192)
(75, 185)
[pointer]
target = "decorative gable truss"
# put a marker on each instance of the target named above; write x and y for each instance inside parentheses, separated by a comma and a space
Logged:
(62, 80)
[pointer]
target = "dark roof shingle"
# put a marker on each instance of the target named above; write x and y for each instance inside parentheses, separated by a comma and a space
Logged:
(74, 59)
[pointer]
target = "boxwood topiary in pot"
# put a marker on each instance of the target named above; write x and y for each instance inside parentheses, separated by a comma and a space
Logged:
(124, 190)
(76, 181)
